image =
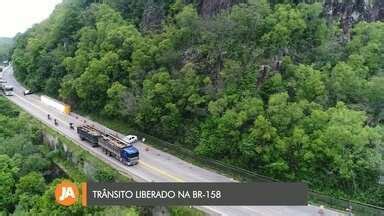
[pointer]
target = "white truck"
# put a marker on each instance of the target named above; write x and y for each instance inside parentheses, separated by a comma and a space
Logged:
(7, 89)
(62, 107)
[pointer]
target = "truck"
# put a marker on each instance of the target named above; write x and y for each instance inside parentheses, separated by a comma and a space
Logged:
(7, 89)
(89, 134)
(62, 107)
(111, 144)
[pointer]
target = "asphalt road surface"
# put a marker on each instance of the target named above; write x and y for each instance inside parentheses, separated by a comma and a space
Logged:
(154, 165)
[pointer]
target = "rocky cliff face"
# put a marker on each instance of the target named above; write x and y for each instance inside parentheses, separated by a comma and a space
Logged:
(211, 7)
(356, 10)
(348, 11)
(352, 11)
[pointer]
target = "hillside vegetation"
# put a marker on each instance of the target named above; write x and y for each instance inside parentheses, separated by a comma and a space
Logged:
(277, 89)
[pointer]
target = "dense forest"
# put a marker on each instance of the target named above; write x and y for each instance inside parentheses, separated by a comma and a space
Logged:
(278, 88)
(28, 175)
(5, 48)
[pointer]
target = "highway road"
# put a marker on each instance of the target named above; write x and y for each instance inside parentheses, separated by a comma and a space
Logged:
(154, 165)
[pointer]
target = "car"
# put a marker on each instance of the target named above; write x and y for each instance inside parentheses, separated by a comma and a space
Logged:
(3, 81)
(27, 92)
(130, 139)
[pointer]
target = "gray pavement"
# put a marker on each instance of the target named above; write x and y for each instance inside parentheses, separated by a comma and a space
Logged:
(154, 165)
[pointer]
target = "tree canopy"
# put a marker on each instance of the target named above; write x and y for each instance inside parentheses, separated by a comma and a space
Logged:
(6, 45)
(269, 86)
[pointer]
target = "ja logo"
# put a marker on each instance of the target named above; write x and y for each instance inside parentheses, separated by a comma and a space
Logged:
(66, 193)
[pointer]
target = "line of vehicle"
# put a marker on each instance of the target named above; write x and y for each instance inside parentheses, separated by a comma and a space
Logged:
(148, 166)
(89, 149)
(153, 168)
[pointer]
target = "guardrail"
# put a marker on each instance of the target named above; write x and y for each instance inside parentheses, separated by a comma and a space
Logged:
(244, 175)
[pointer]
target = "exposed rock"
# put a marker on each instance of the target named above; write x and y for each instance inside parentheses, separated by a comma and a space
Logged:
(153, 15)
(349, 11)
(209, 8)
(352, 11)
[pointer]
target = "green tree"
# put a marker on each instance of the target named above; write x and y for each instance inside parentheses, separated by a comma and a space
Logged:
(92, 86)
(345, 83)
(373, 92)
(7, 183)
(350, 146)
(8, 171)
(283, 114)
(116, 94)
(157, 107)
(258, 144)
(308, 83)
(32, 183)
(367, 41)
(287, 25)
